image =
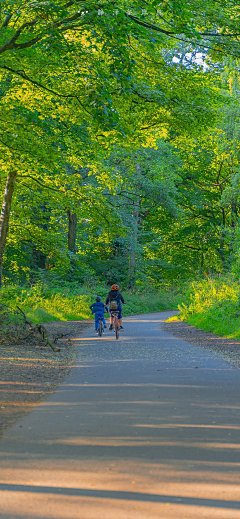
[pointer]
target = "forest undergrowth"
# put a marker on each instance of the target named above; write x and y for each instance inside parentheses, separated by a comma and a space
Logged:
(44, 303)
(212, 305)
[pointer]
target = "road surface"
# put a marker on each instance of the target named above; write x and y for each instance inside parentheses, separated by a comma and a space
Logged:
(146, 427)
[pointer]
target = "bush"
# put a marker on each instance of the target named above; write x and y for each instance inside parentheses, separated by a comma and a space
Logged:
(213, 305)
(71, 301)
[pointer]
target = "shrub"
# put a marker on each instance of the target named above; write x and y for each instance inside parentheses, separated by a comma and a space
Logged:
(213, 305)
(44, 302)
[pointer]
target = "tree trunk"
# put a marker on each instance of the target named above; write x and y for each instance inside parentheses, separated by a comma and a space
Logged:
(223, 237)
(72, 231)
(72, 235)
(234, 219)
(133, 247)
(5, 214)
(134, 238)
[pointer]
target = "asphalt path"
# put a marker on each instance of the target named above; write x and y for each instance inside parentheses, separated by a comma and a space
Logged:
(144, 427)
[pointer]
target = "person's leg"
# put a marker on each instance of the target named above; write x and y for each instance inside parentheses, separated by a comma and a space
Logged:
(96, 321)
(120, 316)
(104, 322)
(111, 322)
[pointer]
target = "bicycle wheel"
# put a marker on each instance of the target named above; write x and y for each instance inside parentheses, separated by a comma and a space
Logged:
(100, 328)
(117, 331)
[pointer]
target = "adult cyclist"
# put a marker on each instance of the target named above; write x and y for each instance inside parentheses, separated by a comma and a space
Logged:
(114, 295)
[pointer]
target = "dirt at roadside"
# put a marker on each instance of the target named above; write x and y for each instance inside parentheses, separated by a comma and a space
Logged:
(227, 349)
(29, 373)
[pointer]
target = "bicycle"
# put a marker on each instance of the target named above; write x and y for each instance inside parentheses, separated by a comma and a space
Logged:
(115, 314)
(100, 326)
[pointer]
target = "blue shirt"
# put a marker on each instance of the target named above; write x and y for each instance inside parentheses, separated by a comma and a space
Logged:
(98, 307)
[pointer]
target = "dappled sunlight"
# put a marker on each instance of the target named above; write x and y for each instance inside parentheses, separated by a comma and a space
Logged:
(75, 471)
(64, 501)
(92, 506)
(94, 338)
(19, 391)
(25, 359)
(11, 383)
(216, 406)
(19, 403)
(66, 508)
(212, 445)
(122, 337)
(183, 386)
(126, 446)
(103, 402)
(188, 426)
(59, 487)
(118, 441)
(110, 361)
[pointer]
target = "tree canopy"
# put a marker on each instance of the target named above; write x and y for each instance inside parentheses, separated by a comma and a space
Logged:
(119, 140)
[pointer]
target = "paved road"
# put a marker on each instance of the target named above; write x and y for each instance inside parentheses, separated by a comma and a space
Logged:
(146, 427)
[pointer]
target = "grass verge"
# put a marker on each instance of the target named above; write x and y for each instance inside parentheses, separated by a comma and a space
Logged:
(213, 305)
(43, 303)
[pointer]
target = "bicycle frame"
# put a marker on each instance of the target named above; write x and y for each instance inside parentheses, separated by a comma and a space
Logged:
(115, 316)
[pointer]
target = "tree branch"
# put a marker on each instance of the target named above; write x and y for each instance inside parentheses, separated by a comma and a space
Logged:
(11, 44)
(40, 183)
(149, 25)
(50, 90)
(220, 169)
(6, 21)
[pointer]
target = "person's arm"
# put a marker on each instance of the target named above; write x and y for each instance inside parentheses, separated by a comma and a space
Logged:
(106, 308)
(92, 308)
(122, 299)
(107, 300)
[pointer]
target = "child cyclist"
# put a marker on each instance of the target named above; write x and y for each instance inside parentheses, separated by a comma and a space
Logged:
(98, 309)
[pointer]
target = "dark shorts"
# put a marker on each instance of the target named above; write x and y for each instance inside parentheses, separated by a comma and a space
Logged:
(119, 309)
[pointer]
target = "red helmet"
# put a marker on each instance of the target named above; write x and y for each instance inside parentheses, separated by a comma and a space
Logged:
(114, 287)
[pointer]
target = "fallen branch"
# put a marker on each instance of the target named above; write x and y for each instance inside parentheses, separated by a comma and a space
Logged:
(39, 328)
(24, 316)
(59, 336)
(15, 327)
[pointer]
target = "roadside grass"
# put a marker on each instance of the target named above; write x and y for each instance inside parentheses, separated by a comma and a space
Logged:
(209, 304)
(213, 305)
(44, 303)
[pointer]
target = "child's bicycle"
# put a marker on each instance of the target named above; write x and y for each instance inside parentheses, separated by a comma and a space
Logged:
(100, 326)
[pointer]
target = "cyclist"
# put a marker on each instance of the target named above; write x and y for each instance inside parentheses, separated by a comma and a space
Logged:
(98, 309)
(114, 295)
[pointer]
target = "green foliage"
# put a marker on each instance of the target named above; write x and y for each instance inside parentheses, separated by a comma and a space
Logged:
(43, 303)
(126, 117)
(213, 305)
